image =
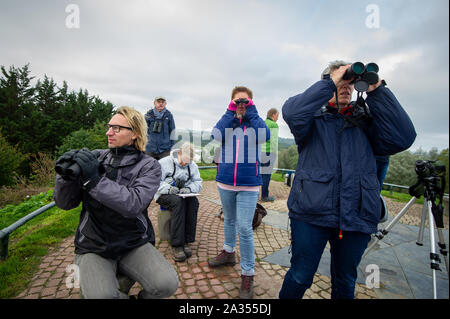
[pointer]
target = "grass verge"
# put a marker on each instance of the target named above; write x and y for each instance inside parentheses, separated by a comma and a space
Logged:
(401, 197)
(29, 243)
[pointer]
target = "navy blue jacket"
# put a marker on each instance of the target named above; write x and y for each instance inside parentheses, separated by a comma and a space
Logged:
(335, 182)
(239, 163)
(159, 142)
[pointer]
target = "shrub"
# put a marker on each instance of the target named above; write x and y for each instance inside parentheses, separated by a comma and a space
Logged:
(10, 160)
(94, 138)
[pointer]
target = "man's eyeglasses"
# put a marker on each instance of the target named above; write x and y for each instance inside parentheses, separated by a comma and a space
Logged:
(116, 128)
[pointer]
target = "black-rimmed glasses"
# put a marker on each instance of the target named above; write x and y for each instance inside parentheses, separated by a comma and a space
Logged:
(116, 128)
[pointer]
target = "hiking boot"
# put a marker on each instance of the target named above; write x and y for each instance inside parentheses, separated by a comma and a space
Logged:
(268, 199)
(178, 253)
(223, 258)
(246, 290)
(187, 250)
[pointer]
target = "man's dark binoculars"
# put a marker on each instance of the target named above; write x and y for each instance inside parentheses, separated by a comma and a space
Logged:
(157, 127)
(70, 169)
(362, 75)
(241, 101)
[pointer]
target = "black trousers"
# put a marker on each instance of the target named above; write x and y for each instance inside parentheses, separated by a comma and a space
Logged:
(183, 221)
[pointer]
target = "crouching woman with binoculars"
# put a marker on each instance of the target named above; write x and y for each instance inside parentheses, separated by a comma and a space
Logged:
(115, 236)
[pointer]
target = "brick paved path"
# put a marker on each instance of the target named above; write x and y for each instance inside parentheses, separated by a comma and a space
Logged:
(197, 279)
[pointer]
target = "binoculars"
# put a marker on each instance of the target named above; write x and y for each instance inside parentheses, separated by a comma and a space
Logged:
(241, 101)
(362, 75)
(70, 169)
(157, 126)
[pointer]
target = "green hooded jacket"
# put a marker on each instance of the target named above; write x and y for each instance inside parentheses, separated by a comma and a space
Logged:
(271, 146)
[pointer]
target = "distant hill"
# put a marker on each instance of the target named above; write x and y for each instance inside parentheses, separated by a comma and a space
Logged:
(284, 143)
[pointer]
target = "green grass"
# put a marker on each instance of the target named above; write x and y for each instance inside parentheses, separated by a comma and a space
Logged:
(277, 176)
(400, 197)
(208, 174)
(29, 243)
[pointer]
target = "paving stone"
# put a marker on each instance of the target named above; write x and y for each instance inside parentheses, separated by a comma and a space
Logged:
(48, 291)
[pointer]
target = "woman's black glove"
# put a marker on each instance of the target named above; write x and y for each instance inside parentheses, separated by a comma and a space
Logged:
(89, 168)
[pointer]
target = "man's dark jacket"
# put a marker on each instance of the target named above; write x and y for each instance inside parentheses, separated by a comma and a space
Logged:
(335, 182)
(159, 142)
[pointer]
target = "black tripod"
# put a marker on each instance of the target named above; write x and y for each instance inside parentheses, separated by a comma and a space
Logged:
(431, 185)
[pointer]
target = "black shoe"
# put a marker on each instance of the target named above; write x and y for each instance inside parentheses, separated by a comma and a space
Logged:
(187, 251)
(268, 199)
(178, 253)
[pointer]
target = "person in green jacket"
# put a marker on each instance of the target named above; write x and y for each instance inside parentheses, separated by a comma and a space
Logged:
(269, 153)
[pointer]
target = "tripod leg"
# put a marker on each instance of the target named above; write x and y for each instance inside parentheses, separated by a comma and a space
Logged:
(422, 223)
(443, 248)
(433, 256)
(384, 232)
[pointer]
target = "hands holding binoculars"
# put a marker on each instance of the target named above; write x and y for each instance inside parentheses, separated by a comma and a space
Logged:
(233, 106)
(363, 77)
(76, 163)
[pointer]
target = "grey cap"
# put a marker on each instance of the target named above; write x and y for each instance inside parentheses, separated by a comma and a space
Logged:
(160, 98)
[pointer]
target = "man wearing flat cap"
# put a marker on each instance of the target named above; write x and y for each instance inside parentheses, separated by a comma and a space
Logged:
(160, 126)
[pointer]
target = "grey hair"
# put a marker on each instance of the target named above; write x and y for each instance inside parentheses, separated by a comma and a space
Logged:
(334, 65)
(187, 150)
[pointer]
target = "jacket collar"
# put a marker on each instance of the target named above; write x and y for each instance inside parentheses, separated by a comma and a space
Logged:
(127, 155)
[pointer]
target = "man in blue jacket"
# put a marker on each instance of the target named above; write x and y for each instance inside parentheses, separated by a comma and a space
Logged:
(335, 195)
(160, 126)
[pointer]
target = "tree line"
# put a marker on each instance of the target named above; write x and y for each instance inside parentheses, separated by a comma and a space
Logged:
(36, 117)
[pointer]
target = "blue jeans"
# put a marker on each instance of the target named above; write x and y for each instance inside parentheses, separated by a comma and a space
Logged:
(382, 168)
(267, 164)
(238, 211)
(265, 185)
(308, 243)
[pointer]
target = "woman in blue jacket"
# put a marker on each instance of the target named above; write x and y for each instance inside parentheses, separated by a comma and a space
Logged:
(241, 131)
(335, 195)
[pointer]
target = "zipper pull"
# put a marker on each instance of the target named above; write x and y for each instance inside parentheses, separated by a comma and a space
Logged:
(340, 234)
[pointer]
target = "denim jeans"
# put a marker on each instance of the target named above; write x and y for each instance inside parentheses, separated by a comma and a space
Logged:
(382, 168)
(238, 211)
(308, 243)
(144, 264)
(267, 164)
(265, 185)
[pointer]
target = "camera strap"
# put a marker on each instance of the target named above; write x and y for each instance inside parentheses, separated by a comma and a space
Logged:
(175, 168)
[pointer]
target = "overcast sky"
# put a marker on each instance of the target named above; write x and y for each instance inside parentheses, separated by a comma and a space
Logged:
(194, 52)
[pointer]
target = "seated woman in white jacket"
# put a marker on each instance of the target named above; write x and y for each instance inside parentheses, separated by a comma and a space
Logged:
(180, 175)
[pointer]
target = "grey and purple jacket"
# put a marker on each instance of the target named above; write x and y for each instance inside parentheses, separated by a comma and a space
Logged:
(114, 216)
